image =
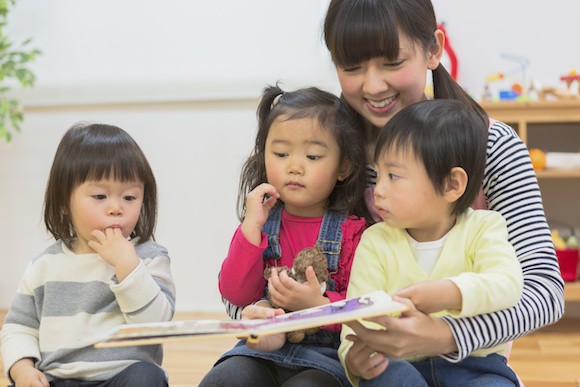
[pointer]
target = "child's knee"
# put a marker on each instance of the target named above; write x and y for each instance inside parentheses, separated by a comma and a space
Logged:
(144, 374)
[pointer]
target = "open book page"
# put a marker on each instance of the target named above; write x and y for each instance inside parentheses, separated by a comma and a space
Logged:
(357, 308)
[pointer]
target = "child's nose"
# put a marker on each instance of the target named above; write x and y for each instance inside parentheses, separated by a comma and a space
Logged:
(295, 166)
(115, 207)
(379, 191)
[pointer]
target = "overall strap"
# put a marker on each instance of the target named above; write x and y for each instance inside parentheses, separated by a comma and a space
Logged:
(272, 230)
(330, 239)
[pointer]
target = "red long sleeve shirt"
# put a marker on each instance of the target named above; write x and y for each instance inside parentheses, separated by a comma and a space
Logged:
(241, 278)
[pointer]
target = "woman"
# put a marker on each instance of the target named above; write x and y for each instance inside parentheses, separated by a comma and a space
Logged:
(383, 51)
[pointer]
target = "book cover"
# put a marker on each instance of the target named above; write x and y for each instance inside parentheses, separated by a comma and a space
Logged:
(357, 308)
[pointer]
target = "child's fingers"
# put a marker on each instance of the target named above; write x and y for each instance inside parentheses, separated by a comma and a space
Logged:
(269, 202)
(265, 192)
(280, 280)
(98, 234)
(287, 282)
(251, 312)
(311, 277)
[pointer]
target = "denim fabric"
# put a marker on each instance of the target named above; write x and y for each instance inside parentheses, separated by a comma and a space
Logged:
(272, 230)
(317, 351)
(138, 374)
(329, 238)
(296, 356)
(243, 371)
(473, 371)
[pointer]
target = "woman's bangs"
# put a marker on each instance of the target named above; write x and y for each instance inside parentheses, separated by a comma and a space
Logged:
(364, 36)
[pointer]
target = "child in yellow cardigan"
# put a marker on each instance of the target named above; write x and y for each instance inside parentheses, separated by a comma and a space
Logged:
(431, 247)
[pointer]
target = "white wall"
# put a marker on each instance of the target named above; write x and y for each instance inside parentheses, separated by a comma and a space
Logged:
(183, 77)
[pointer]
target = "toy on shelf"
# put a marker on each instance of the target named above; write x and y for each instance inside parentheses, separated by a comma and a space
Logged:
(566, 250)
(552, 92)
(517, 88)
(570, 78)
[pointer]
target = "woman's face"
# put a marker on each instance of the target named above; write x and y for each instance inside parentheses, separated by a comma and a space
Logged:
(378, 88)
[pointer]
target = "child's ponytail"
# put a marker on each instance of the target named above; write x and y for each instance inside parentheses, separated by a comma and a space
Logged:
(254, 171)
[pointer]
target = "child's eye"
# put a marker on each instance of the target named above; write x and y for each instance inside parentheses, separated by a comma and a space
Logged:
(279, 154)
(100, 196)
(129, 198)
(392, 176)
(314, 157)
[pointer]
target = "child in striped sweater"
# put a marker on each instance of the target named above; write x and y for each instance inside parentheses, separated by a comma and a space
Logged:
(103, 270)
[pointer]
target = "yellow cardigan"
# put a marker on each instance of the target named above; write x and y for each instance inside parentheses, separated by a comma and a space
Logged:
(476, 256)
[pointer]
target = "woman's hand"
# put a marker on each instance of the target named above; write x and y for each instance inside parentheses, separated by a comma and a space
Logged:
(259, 202)
(412, 333)
(363, 361)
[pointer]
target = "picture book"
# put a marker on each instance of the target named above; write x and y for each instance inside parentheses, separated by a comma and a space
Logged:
(357, 308)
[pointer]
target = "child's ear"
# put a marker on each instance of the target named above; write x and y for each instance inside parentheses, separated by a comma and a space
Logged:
(455, 185)
(344, 171)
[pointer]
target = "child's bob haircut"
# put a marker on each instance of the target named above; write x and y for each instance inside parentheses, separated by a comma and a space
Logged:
(91, 152)
(441, 134)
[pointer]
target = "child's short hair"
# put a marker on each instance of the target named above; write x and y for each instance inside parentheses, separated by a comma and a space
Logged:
(442, 134)
(94, 152)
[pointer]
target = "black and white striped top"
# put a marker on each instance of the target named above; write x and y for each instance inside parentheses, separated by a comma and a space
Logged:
(511, 188)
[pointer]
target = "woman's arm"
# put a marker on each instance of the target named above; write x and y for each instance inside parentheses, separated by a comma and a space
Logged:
(511, 188)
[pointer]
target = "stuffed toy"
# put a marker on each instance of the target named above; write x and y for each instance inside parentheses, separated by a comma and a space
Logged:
(311, 256)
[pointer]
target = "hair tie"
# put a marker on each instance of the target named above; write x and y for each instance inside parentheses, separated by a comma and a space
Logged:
(275, 100)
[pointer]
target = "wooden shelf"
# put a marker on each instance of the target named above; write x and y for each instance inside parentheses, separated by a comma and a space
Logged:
(558, 173)
(522, 115)
(572, 291)
(534, 112)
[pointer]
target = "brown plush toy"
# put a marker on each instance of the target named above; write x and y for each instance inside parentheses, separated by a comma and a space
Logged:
(311, 256)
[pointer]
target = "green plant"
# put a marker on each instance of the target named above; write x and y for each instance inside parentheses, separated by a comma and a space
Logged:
(13, 69)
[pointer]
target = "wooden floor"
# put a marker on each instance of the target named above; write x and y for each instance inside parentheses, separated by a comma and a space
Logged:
(546, 358)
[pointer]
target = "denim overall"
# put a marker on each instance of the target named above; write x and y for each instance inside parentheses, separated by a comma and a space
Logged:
(318, 350)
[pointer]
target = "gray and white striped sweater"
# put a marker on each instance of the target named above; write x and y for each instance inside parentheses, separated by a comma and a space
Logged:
(66, 302)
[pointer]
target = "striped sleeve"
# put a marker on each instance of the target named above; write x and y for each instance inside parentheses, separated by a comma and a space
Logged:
(234, 311)
(512, 189)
